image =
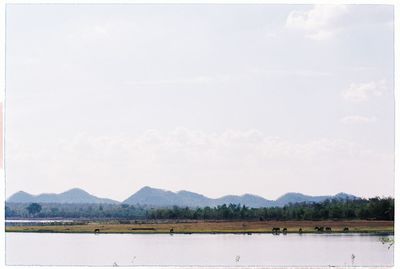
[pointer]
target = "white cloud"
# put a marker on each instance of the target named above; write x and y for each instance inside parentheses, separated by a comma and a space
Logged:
(130, 72)
(319, 23)
(361, 92)
(181, 158)
(276, 71)
(180, 147)
(198, 144)
(357, 119)
(189, 80)
(90, 32)
(323, 22)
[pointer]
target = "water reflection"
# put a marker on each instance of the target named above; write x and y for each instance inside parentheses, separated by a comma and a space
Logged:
(198, 249)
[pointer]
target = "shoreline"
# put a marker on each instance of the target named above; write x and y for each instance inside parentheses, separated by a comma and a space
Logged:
(377, 233)
(213, 227)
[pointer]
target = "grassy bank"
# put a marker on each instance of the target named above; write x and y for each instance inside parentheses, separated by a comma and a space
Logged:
(356, 226)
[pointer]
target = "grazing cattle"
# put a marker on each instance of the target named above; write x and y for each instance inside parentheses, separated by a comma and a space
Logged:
(96, 231)
(319, 229)
(345, 229)
(276, 230)
(328, 229)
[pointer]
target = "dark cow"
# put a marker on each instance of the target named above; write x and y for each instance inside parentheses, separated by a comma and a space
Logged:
(171, 230)
(345, 229)
(284, 230)
(276, 230)
(328, 229)
(96, 231)
(319, 229)
(300, 230)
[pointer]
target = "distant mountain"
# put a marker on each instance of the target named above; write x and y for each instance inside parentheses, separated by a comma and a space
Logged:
(294, 197)
(152, 196)
(164, 198)
(193, 199)
(20, 197)
(73, 196)
(249, 200)
(345, 196)
(161, 198)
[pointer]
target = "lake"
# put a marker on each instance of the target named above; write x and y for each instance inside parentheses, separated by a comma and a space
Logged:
(29, 222)
(197, 249)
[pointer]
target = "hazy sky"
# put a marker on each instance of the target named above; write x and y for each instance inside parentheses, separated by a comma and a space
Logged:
(216, 99)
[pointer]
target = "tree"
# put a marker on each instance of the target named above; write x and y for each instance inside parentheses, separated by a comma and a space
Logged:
(9, 212)
(34, 208)
(373, 208)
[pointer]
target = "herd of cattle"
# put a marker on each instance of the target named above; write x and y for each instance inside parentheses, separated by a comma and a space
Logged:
(277, 230)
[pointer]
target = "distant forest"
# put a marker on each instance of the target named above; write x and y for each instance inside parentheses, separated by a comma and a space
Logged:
(373, 208)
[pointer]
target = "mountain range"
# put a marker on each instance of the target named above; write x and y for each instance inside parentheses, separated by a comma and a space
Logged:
(74, 196)
(164, 198)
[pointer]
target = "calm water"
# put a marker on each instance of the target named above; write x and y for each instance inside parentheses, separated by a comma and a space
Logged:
(197, 249)
(19, 222)
(35, 221)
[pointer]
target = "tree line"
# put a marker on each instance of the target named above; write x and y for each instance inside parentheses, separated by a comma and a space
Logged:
(374, 208)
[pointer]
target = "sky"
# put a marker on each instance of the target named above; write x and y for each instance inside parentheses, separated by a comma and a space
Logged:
(215, 99)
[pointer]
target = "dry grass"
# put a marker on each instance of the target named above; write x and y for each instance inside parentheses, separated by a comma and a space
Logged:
(211, 227)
